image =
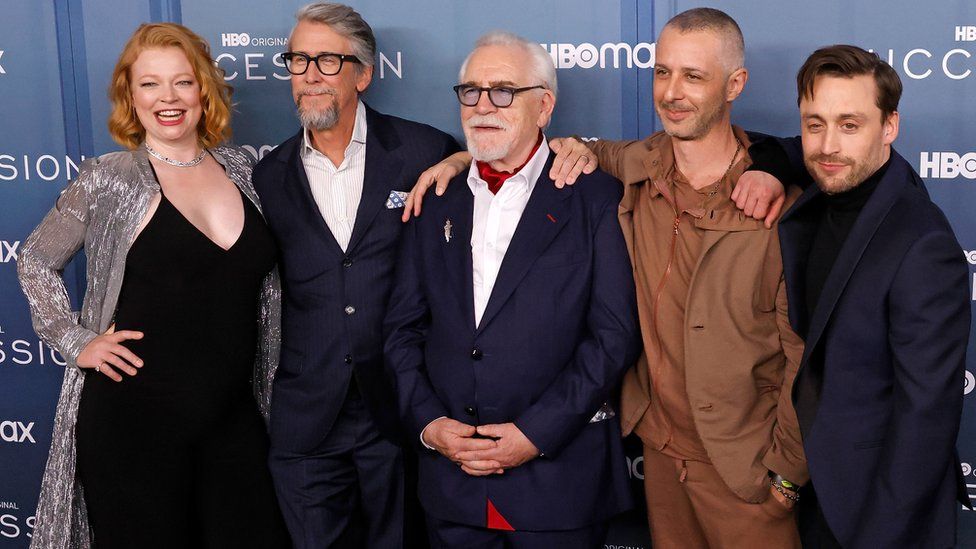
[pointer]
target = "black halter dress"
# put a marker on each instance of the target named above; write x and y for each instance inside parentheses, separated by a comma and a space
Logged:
(176, 456)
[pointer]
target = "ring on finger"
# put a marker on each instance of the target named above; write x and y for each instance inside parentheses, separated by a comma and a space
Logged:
(98, 368)
(585, 159)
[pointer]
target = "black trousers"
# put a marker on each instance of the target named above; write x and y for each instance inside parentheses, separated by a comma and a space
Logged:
(815, 533)
(450, 535)
(151, 483)
(348, 491)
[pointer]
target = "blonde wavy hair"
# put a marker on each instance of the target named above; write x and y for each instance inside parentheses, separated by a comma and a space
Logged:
(215, 93)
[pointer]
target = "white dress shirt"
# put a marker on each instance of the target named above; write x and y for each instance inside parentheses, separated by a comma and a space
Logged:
(495, 218)
(337, 191)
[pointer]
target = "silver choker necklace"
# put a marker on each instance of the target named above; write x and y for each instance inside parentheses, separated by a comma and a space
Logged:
(177, 163)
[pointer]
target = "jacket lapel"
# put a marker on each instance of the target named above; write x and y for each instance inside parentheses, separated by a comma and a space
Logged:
(870, 218)
(455, 243)
(300, 191)
(545, 215)
(382, 173)
(797, 229)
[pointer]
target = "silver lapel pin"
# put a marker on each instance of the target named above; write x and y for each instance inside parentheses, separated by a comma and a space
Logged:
(448, 230)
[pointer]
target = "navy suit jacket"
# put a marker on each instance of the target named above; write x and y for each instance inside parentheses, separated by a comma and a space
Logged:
(878, 394)
(558, 332)
(322, 345)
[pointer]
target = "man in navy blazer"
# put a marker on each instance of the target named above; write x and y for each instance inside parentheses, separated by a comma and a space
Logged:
(332, 195)
(878, 289)
(511, 323)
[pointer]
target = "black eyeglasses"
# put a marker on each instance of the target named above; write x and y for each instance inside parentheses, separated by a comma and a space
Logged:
(500, 96)
(328, 63)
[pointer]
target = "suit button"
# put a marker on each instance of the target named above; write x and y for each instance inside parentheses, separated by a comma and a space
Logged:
(476, 354)
(469, 410)
(350, 309)
(348, 359)
(347, 262)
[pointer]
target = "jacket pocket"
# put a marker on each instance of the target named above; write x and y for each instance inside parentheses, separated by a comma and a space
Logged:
(551, 261)
(865, 444)
(292, 361)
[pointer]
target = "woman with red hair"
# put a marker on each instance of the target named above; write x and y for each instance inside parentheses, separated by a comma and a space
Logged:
(159, 439)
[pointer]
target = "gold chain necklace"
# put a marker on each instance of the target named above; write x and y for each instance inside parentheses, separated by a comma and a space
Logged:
(717, 185)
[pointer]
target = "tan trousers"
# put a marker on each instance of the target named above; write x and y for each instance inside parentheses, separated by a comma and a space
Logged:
(689, 506)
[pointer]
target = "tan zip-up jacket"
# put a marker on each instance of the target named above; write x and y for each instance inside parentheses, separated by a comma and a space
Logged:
(740, 354)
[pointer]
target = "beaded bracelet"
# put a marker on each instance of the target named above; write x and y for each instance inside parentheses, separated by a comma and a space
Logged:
(792, 496)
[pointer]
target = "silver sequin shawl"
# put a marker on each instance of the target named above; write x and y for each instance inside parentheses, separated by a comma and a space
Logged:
(102, 209)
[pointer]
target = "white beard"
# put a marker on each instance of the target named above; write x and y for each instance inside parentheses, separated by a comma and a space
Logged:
(487, 152)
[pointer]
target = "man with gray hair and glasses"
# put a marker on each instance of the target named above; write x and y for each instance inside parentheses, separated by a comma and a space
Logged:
(332, 195)
(510, 325)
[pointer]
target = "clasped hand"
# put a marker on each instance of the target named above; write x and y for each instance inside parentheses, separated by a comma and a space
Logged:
(481, 450)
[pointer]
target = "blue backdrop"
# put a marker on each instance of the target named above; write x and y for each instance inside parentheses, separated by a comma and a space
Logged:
(56, 57)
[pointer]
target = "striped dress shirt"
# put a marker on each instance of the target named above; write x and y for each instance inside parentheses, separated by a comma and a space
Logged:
(338, 190)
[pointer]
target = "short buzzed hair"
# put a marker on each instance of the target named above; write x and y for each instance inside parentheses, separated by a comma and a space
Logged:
(718, 22)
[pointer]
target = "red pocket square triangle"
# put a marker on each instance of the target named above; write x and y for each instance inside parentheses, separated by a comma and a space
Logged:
(495, 519)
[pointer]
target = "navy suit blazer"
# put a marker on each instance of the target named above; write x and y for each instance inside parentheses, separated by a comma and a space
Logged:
(558, 333)
(878, 394)
(323, 344)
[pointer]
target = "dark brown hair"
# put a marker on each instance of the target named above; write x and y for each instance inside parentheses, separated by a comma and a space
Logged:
(849, 61)
(215, 93)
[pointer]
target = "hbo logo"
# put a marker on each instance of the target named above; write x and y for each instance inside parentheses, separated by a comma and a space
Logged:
(947, 165)
(232, 39)
(588, 56)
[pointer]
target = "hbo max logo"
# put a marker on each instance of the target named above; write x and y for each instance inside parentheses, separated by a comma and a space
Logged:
(234, 39)
(969, 383)
(8, 250)
(16, 431)
(947, 165)
(588, 56)
(1, 66)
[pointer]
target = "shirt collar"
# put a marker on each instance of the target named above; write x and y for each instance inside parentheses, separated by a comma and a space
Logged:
(358, 132)
(526, 177)
(661, 168)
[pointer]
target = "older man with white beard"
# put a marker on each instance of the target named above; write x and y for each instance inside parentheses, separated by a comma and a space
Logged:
(332, 195)
(512, 320)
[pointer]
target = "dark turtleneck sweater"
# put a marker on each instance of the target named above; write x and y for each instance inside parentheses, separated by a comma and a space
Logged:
(838, 214)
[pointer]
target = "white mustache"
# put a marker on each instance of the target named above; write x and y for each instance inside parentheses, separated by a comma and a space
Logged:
(486, 120)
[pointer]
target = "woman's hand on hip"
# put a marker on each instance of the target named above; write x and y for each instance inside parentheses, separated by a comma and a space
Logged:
(106, 354)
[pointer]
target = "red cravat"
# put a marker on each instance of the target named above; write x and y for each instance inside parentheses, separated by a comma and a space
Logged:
(495, 178)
